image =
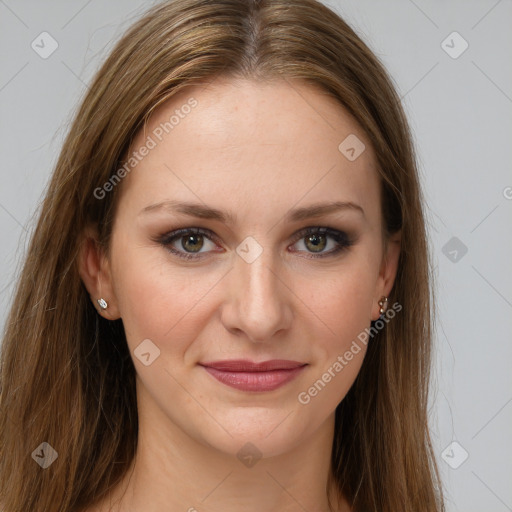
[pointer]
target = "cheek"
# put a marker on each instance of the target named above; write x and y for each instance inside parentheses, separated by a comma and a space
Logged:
(340, 351)
(343, 300)
(342, 307)
(157, 301)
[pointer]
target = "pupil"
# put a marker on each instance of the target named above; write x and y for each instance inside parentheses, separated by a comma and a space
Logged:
(194, 240)
(318, 242)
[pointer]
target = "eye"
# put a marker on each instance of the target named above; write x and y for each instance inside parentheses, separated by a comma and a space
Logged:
(316, 239)
(188, 242)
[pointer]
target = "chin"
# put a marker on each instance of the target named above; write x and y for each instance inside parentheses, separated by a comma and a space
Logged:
(254, 444)
(246, 430)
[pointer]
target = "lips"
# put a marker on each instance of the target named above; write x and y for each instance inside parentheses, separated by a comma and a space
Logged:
(249, 376)
(242, 365)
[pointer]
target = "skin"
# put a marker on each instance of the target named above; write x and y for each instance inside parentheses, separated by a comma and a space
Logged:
(257, 150)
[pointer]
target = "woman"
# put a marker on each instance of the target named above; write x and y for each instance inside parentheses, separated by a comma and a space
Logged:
(225, 302)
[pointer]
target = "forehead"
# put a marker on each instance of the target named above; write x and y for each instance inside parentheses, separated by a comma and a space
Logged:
(246, 144)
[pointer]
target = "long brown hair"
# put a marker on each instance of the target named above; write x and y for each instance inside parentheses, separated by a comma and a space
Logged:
(67, 377)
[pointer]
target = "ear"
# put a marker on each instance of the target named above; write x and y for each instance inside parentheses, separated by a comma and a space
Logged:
(95, 271)
(387, 273)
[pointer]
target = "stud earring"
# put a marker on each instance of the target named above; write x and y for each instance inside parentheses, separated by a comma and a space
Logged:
(383, 303)
(103, 303)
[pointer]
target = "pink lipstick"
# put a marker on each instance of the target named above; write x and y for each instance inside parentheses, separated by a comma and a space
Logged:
(248, 376)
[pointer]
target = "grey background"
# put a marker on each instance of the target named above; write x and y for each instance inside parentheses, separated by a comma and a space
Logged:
(460, 112)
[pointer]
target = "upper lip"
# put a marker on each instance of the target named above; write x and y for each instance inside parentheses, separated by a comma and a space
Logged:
(241, 365)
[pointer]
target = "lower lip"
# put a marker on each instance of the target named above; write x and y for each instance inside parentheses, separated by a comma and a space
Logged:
(255, 381)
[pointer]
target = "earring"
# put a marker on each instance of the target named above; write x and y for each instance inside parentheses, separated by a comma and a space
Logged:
(383, 303)
(103, 303)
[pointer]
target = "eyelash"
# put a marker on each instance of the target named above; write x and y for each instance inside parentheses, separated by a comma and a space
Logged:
(340, 237)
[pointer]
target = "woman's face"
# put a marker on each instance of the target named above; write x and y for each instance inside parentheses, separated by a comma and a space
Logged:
(261, 278)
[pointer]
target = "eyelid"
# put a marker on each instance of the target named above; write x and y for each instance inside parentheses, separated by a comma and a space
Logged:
(171, 235)
(342, 239)
(323, 230)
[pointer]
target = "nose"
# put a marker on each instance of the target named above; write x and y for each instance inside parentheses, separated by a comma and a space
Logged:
(259, 303)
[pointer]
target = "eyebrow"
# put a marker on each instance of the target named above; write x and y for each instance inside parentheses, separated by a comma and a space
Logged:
(202, 211)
